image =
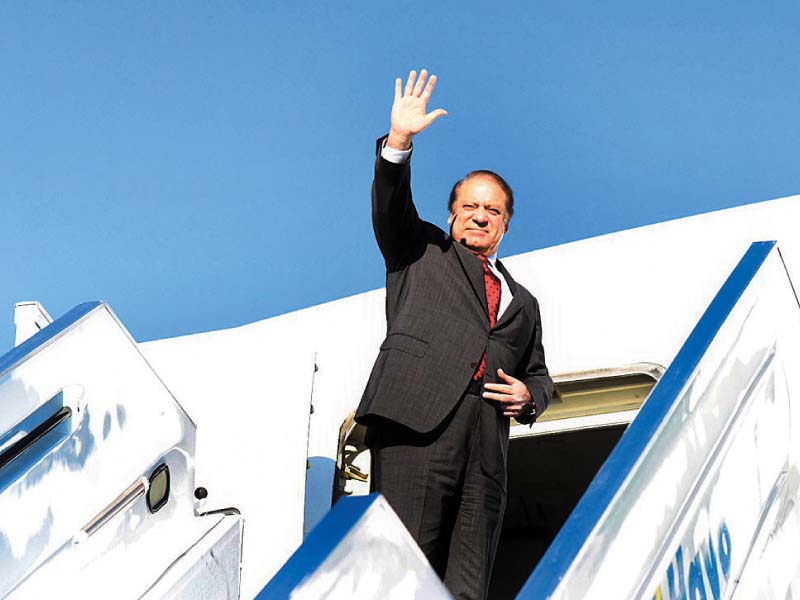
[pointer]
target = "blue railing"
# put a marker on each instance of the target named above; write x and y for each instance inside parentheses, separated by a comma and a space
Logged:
(553, 566)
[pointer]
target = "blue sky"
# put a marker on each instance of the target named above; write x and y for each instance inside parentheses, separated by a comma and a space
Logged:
(205, 165)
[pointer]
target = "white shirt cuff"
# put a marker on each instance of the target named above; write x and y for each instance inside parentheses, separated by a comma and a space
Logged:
(393, 155)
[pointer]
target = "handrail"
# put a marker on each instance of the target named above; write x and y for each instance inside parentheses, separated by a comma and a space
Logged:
(554, 565)
(113, 508)
(25, 443)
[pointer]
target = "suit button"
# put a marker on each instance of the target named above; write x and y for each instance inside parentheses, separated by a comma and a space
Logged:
(491, 336)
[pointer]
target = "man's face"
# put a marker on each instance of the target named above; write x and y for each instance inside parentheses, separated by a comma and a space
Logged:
(479, 216)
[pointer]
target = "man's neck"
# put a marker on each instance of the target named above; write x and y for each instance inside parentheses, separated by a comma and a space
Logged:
(492, 257)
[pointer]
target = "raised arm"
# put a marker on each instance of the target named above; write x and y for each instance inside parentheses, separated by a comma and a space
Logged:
(394, 217)
(409, 109)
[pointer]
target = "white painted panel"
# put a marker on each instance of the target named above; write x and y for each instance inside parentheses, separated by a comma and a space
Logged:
(250, 391)
(124, 423)
(717, 483)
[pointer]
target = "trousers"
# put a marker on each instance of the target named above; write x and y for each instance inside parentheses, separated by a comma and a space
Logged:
(448, 487)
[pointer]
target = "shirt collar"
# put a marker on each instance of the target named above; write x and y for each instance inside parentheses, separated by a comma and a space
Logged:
(492, 259)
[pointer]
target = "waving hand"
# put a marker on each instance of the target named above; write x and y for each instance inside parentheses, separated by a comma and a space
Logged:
(409, 115)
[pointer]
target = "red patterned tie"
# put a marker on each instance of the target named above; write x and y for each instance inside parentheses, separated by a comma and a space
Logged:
(492, 285)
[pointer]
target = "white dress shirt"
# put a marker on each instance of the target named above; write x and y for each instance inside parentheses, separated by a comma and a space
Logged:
(505, 292)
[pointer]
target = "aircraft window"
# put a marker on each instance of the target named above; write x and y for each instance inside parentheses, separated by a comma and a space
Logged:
(158, 490)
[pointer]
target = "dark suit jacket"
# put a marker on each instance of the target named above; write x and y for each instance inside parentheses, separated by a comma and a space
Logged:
(437, 318)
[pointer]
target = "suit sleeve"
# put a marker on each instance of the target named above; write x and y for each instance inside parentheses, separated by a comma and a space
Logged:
(536, 377)
(395, 221)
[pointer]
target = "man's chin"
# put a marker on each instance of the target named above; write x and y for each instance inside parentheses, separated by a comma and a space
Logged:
(474, 246)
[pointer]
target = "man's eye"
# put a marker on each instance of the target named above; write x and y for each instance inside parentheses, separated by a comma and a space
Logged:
(494, 211)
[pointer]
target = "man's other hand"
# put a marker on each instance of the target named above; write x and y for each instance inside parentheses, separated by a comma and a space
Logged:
(513, 394)
(409, 115)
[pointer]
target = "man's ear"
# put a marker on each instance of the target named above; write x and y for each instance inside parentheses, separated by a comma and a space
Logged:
(453, 216)
(506, 227)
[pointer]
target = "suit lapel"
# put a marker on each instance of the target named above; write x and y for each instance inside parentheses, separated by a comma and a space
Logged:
(474, 271)
(516, 301)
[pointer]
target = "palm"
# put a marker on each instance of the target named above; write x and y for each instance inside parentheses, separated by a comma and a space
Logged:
(409, 111)
(408, 115)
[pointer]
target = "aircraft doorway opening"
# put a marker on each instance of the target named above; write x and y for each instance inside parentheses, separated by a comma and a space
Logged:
(550, 465)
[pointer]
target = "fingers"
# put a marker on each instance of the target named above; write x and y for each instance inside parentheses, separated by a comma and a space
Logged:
(433, 115)
(416, 86)
(398, 89)
(504, 398)
(498, 387)
(513, 413)
(514, 396)
(412, 76)
(506, 377)
(428, 88)
(423, 77)
(512, 405)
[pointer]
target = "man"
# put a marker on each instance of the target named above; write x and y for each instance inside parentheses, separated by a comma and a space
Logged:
(463, 353)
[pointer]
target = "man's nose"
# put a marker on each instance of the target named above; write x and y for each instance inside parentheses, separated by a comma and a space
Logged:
(480, 216)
